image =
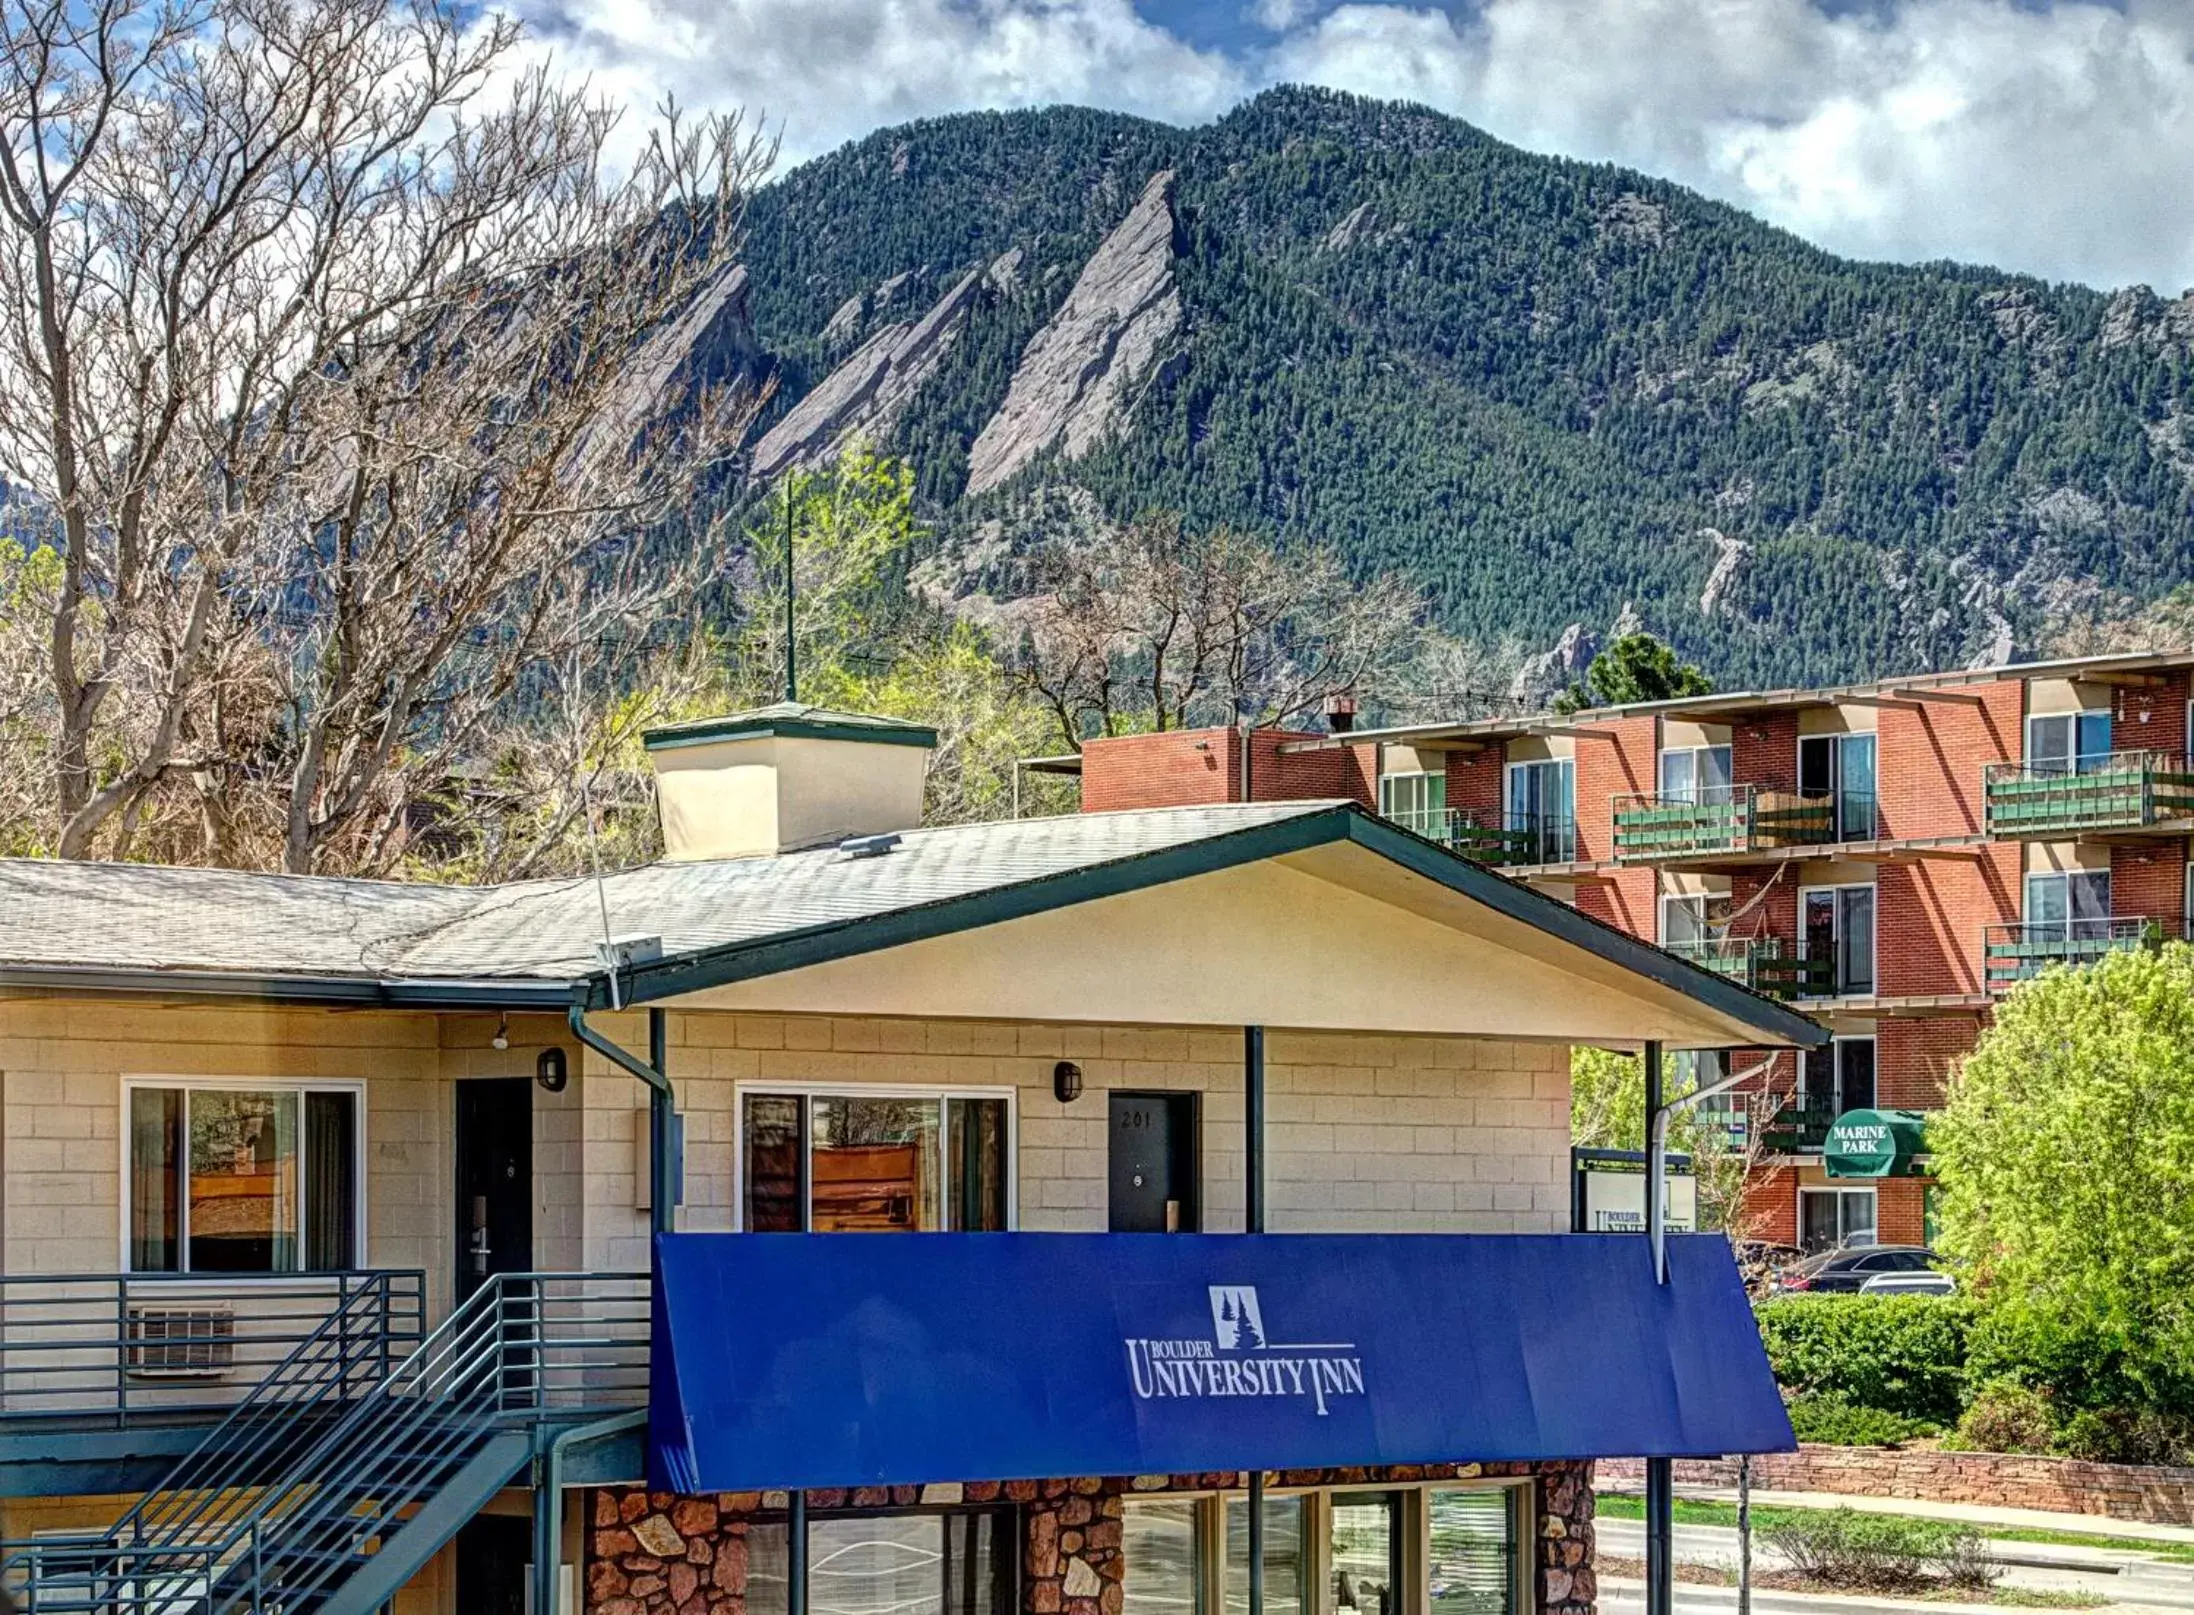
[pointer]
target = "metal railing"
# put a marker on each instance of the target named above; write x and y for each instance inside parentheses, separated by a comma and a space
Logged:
(316, 1502)
(1798, 1128)
(114, 1350)
(1487, 838)
(2120, 790)
(1724, 819)
(2015, 953)
(1767, 965)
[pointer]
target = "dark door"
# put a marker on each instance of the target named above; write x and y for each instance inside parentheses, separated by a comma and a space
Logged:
(494, 1179)
(1153, 1163)
(494, 1559)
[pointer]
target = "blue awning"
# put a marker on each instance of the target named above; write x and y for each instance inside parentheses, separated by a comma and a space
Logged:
(828, 1360)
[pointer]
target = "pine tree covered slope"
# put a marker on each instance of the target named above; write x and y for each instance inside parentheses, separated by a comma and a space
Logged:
(1541, 387)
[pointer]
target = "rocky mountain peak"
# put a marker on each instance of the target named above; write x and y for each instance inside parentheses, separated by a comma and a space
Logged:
(1080, 375)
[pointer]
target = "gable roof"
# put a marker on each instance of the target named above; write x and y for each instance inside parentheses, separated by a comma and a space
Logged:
(534, 943)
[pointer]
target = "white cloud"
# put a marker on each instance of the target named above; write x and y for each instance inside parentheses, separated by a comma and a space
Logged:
(2054, 139)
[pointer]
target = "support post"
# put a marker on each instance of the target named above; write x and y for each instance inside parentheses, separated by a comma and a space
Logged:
(1253, 1140)
(1660, 1533)
(1656, 1184)
(796, 1554)
(1256, 1542)
(663, 1132)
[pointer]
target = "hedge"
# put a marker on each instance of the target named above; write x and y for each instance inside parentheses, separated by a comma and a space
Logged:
(1903, 1354)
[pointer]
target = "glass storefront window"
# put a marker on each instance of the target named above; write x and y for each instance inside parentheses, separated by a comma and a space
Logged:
(1284, 1561)
(1161, 1548)
(960, 1562)
(1364, 1551)
(1471, 1540)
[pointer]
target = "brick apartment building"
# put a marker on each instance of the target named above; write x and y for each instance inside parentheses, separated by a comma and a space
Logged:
(1890, 857)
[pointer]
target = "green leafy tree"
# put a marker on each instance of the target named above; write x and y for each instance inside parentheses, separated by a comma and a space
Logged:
(1637, 667)
(1607, 1111)
(2066, 1158)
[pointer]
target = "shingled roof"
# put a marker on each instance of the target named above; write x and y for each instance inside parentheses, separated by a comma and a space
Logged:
(103, 927)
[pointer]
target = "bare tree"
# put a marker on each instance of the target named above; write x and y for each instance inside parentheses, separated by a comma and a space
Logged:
(1157, 626)
(359, 396)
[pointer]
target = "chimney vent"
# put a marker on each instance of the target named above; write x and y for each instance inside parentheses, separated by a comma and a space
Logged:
(869, 846)
(787, 777)
(1340, 713)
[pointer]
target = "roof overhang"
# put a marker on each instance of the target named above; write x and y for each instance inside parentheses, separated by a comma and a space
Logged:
(1407, 872)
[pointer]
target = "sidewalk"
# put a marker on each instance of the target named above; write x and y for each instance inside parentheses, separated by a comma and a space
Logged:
(1981, 1515)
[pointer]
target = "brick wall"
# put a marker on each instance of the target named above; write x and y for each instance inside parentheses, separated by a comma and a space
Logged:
(1763, 750)
(1929, 756)
(2148, 878)
(2150, 1494)
(1614, 758)
(1914, 1059)
(1476, 783)
(1931, 915)
(1188, 767)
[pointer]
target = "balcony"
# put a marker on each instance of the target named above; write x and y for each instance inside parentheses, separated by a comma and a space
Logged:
(119, 1351)
(1767, 965)
(2123, 790)
(1482, 837)
(1798, 1129)
(1730, 820)
(2016, 953)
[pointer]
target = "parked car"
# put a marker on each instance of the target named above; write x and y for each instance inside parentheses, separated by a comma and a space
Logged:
(1924, 1282)
(1845, 1271)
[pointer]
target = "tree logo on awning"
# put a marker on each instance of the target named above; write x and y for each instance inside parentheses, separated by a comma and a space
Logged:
(1235, 1321)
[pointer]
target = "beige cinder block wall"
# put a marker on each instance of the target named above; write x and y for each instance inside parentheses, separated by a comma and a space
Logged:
(1365, 1133)
(62, 1065)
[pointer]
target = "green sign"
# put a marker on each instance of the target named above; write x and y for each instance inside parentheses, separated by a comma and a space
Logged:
(1874, 1143)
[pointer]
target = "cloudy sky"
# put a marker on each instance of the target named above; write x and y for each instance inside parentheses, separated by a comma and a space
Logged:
(2052, 136)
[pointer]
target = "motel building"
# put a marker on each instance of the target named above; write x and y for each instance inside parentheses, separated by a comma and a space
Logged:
(455, 1251)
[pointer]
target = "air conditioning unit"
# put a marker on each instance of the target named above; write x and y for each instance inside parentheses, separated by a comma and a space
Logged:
(168, 1342)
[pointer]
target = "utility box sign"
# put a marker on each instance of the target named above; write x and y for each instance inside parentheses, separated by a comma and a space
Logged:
(1609, 1195)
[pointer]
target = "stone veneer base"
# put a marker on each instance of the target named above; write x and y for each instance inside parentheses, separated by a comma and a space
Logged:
(660, 1554)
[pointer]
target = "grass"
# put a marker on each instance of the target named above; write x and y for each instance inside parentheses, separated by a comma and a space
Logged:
(1706, 1511)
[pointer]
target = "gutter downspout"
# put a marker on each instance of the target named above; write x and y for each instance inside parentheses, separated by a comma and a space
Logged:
(548, 1496)
(662, 1109)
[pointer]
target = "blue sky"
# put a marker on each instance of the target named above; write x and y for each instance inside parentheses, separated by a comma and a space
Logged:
(2053, 138)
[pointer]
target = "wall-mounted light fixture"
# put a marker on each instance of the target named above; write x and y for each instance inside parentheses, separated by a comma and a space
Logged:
(1066, 1082)
(550, 1071)
(501, 1039)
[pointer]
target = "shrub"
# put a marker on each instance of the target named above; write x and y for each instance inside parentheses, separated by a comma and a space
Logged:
(1843, 1423)
(2126, 1436)
(1901, 1354)
(2007, 1416)
(1881, 1552)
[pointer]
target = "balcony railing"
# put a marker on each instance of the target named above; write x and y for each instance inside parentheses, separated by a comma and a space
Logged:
(112, 1350)
(1767, 965)
(2016, 953)
(2124, 790)
(1798, 1128)
(1484, 837)
(1735, 819)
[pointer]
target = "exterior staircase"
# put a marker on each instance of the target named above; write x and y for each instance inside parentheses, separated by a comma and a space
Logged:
(331, 1485)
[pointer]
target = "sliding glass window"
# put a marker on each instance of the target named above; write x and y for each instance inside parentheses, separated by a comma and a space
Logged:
(257, 1179)
(875, 1161)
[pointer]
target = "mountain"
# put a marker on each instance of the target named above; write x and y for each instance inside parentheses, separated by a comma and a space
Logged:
(1544, 389)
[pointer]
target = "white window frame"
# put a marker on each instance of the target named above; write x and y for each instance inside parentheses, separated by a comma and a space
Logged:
(1416, 775)
(2064, 878)
(1566, 769)
(1835, 743)
(742, 1091)
(1874, 962)
(1416, 1545)
(296, 1085)
(1805, 1189)
(2033, 718)
(1660, 787)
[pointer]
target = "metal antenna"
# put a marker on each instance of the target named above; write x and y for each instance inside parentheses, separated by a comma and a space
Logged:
(792, 647)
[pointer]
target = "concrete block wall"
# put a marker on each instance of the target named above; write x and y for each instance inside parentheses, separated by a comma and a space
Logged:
(1364, 1133)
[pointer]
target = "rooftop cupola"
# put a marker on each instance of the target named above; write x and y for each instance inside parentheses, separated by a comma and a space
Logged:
(785, 777)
